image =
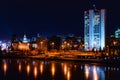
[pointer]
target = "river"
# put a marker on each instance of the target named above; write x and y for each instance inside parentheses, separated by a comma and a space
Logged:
(30, 69)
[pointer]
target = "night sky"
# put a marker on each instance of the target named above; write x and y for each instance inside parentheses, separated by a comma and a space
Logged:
(52, 17)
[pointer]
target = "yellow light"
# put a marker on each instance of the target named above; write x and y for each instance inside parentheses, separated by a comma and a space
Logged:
(19, 67)
(28, 69)
(68, 44)
(114, 42)
(68, 74)
(65, 69)
(5, 67)
(65, 42)
(53, 43)
(41, 42)
(41, 68)
(35, 71)
(53, 69)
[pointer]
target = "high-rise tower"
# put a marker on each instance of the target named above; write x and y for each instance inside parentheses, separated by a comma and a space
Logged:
(94, 29)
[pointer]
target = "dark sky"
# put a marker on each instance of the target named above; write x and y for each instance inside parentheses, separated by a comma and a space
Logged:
(52, 17)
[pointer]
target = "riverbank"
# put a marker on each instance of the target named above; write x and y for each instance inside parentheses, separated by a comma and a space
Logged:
(86, 59)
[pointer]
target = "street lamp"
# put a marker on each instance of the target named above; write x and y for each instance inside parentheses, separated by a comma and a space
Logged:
(68, 45)
(62, 47)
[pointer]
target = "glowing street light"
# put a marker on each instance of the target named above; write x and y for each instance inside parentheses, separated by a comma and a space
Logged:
(65, 42)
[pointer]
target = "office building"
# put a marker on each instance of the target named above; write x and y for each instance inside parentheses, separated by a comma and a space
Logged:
(117, 33)
(94, 29)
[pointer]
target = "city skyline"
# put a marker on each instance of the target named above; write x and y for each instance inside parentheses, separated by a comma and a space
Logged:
(52, 17)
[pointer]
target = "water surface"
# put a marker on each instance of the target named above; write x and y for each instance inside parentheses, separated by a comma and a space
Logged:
(29, 69)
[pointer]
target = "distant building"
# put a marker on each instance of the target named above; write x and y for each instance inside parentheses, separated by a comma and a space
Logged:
(54, 43)
(14, 42)
(25, 40)
(112, 46)
(94, 29)
(117, 33)
(42, 44)
(71, 43)
(24, 45)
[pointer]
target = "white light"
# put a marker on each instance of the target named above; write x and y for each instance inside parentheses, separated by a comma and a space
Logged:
(3, 46)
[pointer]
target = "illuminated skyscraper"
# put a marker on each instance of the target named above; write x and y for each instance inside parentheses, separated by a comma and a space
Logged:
(94, 29)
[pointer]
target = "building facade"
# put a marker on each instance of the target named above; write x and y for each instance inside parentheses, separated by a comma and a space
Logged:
(94, 29)
(117, 33)
(24, 45)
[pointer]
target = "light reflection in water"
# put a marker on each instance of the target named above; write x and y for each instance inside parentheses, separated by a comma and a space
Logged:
(86, 72)
(35, 72)
(92, 72)
(28, 69)
(5, 67)
(68, 74)
(65, 69)
(95, 75)
(19, 67)
(75, 67)
(53, 69)
(41, 68)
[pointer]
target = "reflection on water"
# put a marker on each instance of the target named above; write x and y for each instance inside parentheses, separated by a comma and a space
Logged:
(53, 69)
(35, 71)
(95, 75)
(28, 69)
(5, 67)
(48, 70)
(68, 74)
(86, 72)
(65, 69)
(19, 67)
(41, 68)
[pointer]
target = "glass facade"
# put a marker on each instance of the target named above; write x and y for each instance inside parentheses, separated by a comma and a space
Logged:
(94, 29)
(117, 33)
